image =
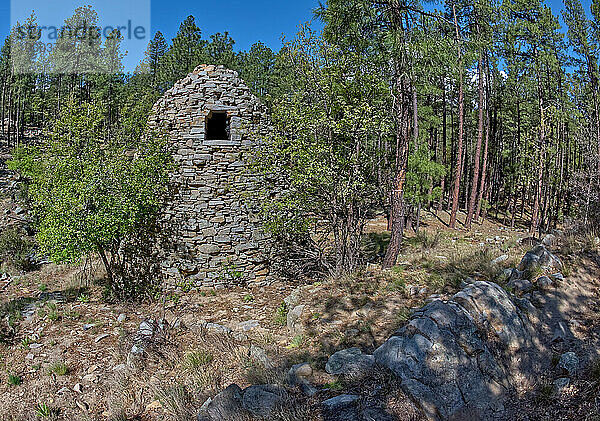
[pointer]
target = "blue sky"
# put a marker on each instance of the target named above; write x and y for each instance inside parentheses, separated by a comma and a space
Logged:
(246, 21)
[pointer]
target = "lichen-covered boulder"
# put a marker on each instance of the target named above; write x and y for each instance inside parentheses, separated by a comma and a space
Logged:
(445, 356)
(225, 406)
(349, 362)
(540, 257)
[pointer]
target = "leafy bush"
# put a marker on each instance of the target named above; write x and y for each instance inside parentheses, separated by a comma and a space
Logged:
(93, 192)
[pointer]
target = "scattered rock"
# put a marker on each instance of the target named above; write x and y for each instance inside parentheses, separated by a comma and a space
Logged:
(349, 362)
(121, 318)
(293, 299)
(569, 363)
(248, 325)
(293, 316)
(90, 378)
(520, 285)
(100, 337)
(63, 390)
(259, 355)
(146, 329)
(500, 259)
(88, 326)
(227, 405)
(544, 282)
(412, 290)
(214, 327)
(561, 384)
(549, 240)
(301, 370)
(560, 333)
(539, 257)
(557, 278)
(78, 388)
(298, 376)
(82, 405)
(260, 400)
(341, 408)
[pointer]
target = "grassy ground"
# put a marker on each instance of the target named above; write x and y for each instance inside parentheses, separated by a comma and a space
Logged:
(61, 358)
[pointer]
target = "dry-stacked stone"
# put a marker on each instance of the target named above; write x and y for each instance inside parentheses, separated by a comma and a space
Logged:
(215, 236)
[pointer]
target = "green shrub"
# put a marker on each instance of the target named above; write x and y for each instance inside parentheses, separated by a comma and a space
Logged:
(60, 369)
(281, 315)
(95, 191)
(16, 248)
(196, 359)
(14, 380)
(42, 410)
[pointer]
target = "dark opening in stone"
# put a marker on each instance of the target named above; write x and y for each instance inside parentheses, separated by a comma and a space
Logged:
(217, 126)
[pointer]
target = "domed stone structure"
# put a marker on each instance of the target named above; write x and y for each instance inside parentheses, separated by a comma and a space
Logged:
(215, 236)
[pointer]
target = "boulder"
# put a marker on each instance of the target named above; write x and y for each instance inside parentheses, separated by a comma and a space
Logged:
(569, 363)
(341, 408)
(543, 282)
(443, 358)
(226, 406)
(261, 400)
(293, 316)
(520, 285)
(540, 257)
(349, 362)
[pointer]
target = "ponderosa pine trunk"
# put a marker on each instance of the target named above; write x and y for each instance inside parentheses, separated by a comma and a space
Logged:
(540, 174)
(486, 143)
(458, 168)
(475, 179)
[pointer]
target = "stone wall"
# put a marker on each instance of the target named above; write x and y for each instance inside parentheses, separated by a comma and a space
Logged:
(213, 231)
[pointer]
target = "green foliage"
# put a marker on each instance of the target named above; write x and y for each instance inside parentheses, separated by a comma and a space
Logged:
(197, 359)
(296, 342)
(281, 315)
(326, 150)
(89, 192)
(59, 368)
(42, 410)
(16, 248)
(423, 173)
(14, 379)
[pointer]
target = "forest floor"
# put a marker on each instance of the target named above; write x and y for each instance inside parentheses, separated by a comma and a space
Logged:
(67, 354)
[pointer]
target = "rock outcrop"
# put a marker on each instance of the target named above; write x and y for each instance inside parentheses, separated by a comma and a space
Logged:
(457, 359)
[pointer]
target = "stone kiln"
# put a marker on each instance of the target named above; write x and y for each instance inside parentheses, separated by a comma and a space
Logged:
(214, 235)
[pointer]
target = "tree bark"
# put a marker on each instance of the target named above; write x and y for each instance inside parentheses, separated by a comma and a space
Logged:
(458, 168)
(475, 181)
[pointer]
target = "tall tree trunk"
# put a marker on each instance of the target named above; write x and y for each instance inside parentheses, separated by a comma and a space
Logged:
(402, 145)
(458, 169)
(485, 147)
(402, 105)
(477, 147)
(444, 136)
(540, 173)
